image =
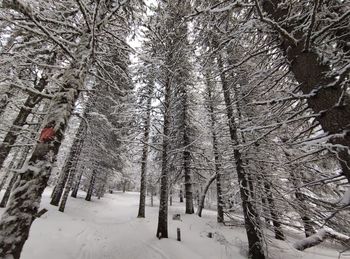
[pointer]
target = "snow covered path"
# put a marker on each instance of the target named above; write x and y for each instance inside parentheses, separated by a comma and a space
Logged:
(108, 229)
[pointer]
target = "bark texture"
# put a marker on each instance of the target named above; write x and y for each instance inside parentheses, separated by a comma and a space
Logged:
(147, 125)
(162, 229)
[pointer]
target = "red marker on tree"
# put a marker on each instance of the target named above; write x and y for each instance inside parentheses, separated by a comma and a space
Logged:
(47, 134)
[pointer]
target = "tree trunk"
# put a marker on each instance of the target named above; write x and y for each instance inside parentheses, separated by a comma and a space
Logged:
(274, 213)
(202, 196)
(318, 238)
(143, 187)
(59, 187)
(187, 157)
(91, 186)
(171, 197)
(101, 191)
(251, 217)
(220, 211)
(70, 164)
(66, 191)
(181, 196)
(152, 196)
(301, 208)
(124, 185)
(307, 222)
(76, 185)
(162, 229)
(73, 161)
(188, 183)
(266, 210)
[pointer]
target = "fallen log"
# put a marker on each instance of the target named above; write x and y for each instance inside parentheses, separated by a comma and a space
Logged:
(318, 238)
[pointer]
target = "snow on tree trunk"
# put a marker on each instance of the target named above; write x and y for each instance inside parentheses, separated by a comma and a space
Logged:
(67, 189)
(147, 128)
(318, 238)
(311, 241)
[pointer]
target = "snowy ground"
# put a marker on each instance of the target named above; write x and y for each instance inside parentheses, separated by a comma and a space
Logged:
(108, 229)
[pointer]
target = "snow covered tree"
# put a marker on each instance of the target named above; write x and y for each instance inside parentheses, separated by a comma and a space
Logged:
(322, 78)
(145, 103)
(25, 197)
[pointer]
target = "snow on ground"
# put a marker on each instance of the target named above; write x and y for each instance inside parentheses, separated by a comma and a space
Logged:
(108, 229)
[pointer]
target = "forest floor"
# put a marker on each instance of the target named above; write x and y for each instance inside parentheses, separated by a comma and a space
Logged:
(108, 229)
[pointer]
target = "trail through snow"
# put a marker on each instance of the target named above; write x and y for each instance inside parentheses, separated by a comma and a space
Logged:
(108, 229)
